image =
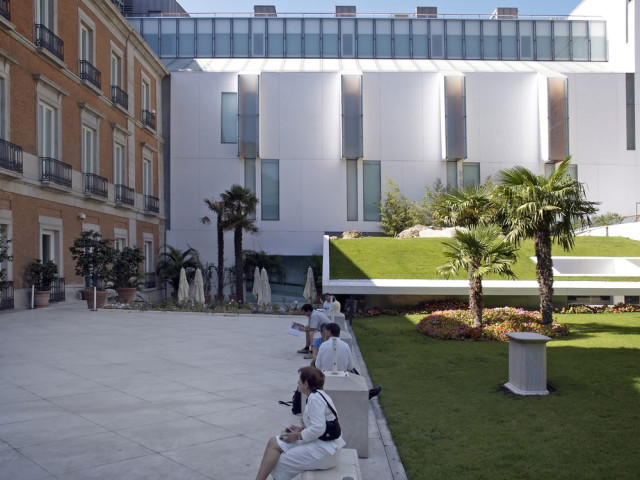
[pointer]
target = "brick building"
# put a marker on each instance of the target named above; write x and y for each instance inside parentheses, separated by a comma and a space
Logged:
(81, 144)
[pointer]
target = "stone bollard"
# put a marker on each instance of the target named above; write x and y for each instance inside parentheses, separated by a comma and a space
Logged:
(527, 363)
(350, 395)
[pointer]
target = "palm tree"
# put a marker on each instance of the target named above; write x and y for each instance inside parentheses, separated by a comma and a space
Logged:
(543, 209)
(240, 204)
(479, 250)
(465, 207)
(218, 207)
(172, 259)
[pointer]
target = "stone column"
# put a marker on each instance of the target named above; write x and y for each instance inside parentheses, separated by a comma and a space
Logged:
(527, 363)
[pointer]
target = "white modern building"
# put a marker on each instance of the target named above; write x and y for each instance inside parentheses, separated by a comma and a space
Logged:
(314, 112)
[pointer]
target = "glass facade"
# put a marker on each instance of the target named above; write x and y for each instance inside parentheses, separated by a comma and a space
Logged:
(307, 37)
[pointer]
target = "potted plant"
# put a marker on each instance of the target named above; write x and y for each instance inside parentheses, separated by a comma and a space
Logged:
(42, 275)
(231, 281)
(94, 256)
(125, 274)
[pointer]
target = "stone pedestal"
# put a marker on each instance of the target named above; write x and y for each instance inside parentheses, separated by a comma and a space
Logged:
(527, 363)
(350, 395)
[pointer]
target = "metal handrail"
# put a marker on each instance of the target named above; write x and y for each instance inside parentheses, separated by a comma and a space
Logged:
(119, 96)
(149, 118)
(45, 38)
(95, 185)
(90, 73)
(10, 156)
(125, 195)
(55, 171)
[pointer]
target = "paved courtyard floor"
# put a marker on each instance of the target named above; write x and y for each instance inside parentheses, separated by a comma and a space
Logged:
(120, 394)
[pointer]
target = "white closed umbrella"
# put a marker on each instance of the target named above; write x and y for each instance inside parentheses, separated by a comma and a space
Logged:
(183, 287)
(257, 285)
(198, 288)
(310, 292)
(265, 287)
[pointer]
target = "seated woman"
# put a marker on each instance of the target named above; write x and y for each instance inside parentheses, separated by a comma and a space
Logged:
(299, 448)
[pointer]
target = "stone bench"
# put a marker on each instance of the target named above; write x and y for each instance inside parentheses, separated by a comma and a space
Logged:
(348, 467)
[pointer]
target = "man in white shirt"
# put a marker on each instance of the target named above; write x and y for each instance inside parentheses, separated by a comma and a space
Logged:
(324, 360)
(316, 320)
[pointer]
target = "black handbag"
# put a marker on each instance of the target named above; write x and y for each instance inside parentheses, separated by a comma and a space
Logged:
(333, 429)
(295, 403)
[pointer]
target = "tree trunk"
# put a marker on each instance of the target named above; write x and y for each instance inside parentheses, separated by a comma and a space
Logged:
(220, 271)
(237, 240)
(544, 270)
(476, 303)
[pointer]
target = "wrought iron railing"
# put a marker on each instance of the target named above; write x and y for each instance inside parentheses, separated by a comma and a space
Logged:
(55, 171)
(10, 156)
(119, 5)
(149, 118)
(125, 195)
(151, 204)
(150, 280)
(5, 9)
(119, 96)
(6, 295)
(46, 39)
(57, 291)
(95, 185)
(90, 73)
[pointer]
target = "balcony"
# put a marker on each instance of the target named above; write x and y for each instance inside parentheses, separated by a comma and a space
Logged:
(119, 97)
(55, 172)
(149, 119)
(151, 204)
(6, 295)
(89, 73)
(46, 39)
(125, 195)
(10, 156)
(5, 9)
(95, 185)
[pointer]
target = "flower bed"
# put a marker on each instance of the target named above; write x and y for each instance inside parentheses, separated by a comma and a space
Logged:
(617, 308)
(497, 322)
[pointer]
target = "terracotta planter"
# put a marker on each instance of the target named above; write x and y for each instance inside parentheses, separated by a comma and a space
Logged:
(126, 294)
(219, 298)
(207, 298)
(233, 298)
(41, 299)
(101, 298)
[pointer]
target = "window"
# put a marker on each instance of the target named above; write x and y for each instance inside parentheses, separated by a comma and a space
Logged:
(45, 13)
(47, 131)
(119, 167)
(452, 175)
(352, 116)
(631, 110)
(455, 117)
(549, 168)
(229, 121)
(470, 174)
(116, 69)
(352, 189)
(120, 236)
(6, 233)
(250, 178)
(371, 190)
(49, 100)
(270, 186)
(149, 268)
(4, 114)
(147, 177)
(145, 96)
(558, 104)
(248, 104)
(86, 43)
(89, 150)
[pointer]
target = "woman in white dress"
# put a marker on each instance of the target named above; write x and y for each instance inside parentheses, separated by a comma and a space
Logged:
(299, 448)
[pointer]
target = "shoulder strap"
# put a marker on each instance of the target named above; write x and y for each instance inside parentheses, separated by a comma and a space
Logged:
(328, 405)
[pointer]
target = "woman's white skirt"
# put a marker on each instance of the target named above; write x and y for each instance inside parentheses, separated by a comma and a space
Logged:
(302, 456)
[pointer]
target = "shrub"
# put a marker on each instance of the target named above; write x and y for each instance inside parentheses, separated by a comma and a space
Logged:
(497, 322)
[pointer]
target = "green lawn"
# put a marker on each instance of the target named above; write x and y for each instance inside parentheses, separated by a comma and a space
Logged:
(418, 258)
(450, 420)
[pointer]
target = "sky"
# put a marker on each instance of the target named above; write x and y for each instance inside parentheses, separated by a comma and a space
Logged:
(528, 7)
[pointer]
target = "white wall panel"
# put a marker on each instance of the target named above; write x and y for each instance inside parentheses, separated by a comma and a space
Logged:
(270, 115)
